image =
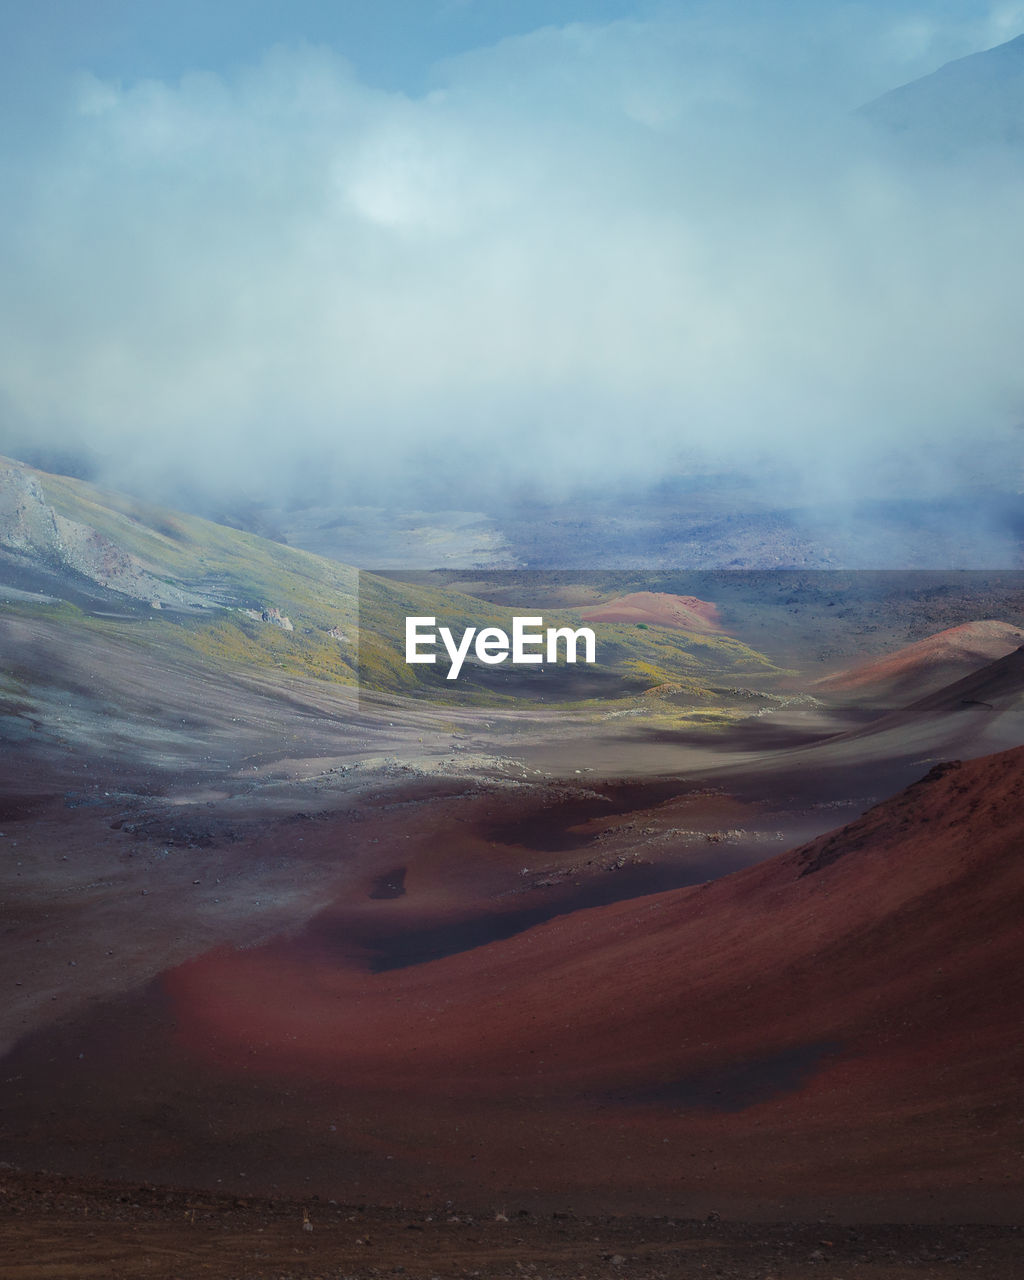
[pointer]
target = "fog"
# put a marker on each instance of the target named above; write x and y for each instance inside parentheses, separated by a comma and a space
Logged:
(590, 255)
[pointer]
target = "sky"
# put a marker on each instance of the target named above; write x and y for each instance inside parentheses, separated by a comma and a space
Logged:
(454, 246)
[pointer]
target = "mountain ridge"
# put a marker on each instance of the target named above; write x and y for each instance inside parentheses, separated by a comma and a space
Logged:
(970, 103)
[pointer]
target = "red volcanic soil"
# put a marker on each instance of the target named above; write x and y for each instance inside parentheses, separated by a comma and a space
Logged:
(927, 665)
(657, 609)
(842, 1021)
(837, 1030)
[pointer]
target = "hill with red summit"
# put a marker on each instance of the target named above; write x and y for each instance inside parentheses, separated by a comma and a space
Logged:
(927, 665)
(657, 609)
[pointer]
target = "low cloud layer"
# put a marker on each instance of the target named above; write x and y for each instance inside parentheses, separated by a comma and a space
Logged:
(588, 254)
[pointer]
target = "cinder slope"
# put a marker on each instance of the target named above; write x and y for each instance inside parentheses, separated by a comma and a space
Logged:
(979, 713)
(838, 1030)
(846, 1021)
(657, 609)
(926, 666)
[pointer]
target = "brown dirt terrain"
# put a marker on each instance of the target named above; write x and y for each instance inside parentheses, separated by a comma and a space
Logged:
(77, 1230)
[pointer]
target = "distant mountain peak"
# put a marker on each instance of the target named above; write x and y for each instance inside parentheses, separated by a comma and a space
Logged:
(973, 103)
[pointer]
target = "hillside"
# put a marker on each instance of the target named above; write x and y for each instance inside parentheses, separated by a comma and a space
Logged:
(237, 600)
(925, 666)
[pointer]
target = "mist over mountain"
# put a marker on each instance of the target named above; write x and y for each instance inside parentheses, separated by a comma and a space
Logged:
(585, 261)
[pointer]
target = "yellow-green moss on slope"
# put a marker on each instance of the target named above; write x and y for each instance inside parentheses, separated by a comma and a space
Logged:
(641, 657)
(235, 571)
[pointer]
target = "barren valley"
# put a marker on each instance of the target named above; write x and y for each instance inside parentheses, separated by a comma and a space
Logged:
(518, 978)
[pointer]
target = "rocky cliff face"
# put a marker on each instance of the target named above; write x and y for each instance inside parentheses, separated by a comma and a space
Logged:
(28, 524)
(37, 538)
(32, 533)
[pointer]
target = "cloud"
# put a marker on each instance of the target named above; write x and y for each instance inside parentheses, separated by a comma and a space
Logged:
(589, 253)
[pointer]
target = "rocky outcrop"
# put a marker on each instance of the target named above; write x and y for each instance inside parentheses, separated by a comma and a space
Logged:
(271, 615)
